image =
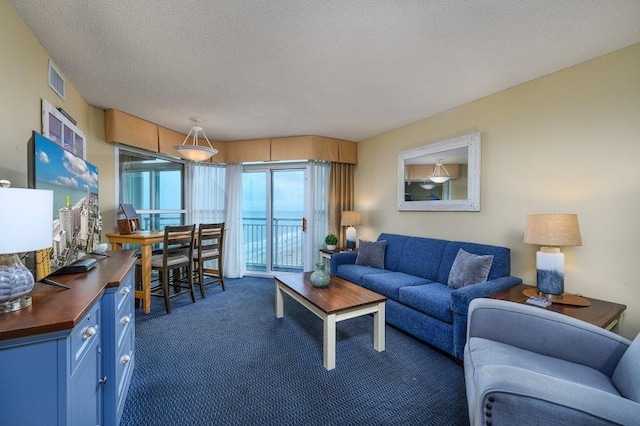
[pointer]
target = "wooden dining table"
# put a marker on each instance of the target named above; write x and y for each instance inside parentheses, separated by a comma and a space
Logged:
(145, 239)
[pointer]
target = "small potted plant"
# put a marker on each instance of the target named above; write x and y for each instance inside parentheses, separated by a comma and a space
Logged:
(331, 240)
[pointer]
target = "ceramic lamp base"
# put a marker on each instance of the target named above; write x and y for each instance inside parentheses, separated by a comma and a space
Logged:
(550, 271)
(15, 305)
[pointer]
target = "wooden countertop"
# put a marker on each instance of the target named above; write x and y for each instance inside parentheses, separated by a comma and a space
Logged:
(57, 309)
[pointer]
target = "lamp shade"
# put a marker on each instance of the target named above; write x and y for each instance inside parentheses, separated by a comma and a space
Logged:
(553, 230)
(350, 218)
(26, 220)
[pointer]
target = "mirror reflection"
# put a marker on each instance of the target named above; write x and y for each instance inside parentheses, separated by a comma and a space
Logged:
(441, 176)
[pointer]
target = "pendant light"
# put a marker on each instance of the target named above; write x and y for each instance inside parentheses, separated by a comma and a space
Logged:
(194, 151)
(440, 173)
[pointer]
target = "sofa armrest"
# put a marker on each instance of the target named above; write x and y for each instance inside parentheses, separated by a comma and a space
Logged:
(342, 258)
(556, 335)
(460, 298)
(533, 398)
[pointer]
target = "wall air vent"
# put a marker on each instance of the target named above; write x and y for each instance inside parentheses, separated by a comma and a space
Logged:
(56, 82)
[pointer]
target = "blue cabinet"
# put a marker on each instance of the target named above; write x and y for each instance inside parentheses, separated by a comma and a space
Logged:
(53, 373)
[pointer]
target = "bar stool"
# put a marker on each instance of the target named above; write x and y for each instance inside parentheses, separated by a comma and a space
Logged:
(177, 253)
(209, 247)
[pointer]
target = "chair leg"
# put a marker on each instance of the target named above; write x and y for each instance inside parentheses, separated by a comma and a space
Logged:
(200, 266)
(220, 273)
(165, 289)
(191, 289)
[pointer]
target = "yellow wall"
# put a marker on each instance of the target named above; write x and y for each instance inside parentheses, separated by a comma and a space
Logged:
(568, 142)
(23, 84)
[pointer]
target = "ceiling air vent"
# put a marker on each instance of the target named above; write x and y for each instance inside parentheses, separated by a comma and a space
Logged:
(56, 82)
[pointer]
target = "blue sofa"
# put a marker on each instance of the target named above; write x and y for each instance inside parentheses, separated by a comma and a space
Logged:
(414, 280)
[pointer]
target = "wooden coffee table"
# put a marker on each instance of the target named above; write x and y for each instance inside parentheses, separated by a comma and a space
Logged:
(341, 300)
(600, 313)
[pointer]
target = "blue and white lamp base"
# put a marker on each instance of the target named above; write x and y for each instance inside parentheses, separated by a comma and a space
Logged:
(550, 267)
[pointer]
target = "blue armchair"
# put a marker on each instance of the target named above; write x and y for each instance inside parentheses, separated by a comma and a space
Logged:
(526, 365)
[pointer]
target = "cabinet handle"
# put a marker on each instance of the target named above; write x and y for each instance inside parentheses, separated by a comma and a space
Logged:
(102, 381)
(125, 359)
(125, 290)
(90, 331)
(125, 320)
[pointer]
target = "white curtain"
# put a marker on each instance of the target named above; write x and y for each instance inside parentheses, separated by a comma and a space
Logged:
(206, 193)
(235, 256)
(320, 171)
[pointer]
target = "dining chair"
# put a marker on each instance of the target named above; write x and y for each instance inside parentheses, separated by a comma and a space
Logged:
(177, 255)
(210, 244)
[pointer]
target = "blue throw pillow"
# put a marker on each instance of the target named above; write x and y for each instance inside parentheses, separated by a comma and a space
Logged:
(469, 269)
(371, 253)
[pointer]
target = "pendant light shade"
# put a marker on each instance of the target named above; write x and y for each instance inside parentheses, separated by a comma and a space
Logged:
(440, 173)
(194, 151)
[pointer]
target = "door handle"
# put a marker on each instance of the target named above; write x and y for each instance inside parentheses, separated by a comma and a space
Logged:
(304, 224)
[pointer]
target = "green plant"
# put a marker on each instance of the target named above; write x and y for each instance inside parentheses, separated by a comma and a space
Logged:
(331, 240)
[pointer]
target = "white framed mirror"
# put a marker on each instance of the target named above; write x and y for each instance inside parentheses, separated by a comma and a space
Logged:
(441, 176)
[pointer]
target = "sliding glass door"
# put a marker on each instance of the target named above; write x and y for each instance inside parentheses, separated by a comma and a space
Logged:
(274, 217)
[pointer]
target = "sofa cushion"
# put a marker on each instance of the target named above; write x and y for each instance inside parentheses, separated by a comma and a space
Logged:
(394, 250)
(371, 253)
(421, 257)
(432, 299)
(469, 268)
(501, 266)
(356, 273)
(390, 283)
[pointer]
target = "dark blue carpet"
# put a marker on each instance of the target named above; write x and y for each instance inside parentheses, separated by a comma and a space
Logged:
(227, 360)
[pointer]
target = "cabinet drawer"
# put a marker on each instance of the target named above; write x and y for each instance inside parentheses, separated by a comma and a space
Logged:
(84, 334)
(124, 326)
(124, 294)
(124, 367)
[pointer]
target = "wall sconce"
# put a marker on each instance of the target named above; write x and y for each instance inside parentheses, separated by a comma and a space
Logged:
(350, 219)
(26, 224)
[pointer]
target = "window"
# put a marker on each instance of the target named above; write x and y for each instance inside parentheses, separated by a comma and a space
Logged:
(153, 185)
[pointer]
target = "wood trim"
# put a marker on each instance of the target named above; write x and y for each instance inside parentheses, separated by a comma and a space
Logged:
(129, 130)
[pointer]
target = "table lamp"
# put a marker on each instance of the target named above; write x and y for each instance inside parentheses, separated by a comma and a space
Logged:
(551, 231)
(350, 219)
(26, 224)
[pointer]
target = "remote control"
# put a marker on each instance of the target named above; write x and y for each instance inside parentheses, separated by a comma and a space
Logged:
(539, 301)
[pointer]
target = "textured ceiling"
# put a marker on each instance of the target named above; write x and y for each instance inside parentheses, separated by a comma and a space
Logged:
(343, 69)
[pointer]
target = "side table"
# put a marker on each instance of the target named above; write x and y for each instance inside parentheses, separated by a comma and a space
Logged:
(326, 256)
(601, 313)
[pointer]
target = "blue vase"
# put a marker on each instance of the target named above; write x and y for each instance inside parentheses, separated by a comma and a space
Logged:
(320, 277)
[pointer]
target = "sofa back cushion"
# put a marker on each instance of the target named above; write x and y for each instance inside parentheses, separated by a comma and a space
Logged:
(421, 257)
(393, 252)
(500, 267)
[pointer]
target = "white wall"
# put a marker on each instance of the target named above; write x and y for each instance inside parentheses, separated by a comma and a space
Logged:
(565, 143)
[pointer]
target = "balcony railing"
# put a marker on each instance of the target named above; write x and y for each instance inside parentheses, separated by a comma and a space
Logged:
(287, 240)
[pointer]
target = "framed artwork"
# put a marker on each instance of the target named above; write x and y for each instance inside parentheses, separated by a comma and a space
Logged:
(60, 129)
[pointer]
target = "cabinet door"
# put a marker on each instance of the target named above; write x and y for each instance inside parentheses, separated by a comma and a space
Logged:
(86, 389)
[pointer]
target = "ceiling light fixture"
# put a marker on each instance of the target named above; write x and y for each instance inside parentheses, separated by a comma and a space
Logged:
(195, 151)
(427, 185)
(440, 173)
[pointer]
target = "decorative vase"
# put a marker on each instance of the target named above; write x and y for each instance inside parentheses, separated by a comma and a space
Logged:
(331, 246)
(320, 277)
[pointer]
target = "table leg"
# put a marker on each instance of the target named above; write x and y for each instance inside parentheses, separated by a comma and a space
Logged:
(378, 328)
(279, 302)
(145, 260)
(329, 344)
(116, 246)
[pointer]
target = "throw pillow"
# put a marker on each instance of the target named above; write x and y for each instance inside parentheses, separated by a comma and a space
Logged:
(371, 253)
(469, 269)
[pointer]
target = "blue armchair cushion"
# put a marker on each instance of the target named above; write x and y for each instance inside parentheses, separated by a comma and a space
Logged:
(626, 376)
(469, 268)
(371, 253)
